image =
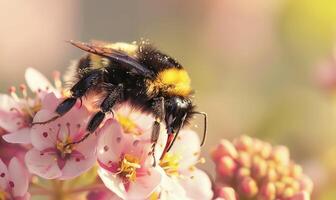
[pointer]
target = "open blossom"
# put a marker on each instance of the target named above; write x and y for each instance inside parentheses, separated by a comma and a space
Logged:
(180, 165)
(17, 113)
(13, 181)
(124, 155)
(50, 156)
(255, 169)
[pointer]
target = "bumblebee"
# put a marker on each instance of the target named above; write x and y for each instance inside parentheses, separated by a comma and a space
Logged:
(140, 74)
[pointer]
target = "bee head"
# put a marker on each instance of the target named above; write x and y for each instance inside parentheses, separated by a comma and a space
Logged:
(178, 111)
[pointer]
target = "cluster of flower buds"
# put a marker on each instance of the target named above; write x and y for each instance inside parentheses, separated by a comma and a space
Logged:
(248, 168)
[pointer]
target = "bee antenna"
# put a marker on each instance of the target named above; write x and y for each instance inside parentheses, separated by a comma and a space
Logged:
(205, 125)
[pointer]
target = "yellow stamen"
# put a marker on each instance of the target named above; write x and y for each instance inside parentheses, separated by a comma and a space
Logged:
(170, 163)
(31, 111)
(128, 167)
(64, 148)
(154, 196)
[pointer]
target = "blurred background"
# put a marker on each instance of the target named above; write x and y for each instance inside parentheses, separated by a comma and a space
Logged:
(262, 68)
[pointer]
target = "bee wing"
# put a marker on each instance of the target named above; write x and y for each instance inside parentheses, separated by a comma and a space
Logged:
(116, 55)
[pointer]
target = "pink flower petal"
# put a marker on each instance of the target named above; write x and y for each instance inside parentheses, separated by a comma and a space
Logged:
(75, 167)
(3, 175)
(7, 102)
(21, 136)
(139, 189)
(88, 146)
(44, 165)
(72, 124)
(37, 81)
(86, 158)
(77, 118)
(112, 182)
(197, 184)
(145, 185)
(189, 153)
(19, 177)
(111, 142)
(50, 102)
(44, 136)
(10, 121)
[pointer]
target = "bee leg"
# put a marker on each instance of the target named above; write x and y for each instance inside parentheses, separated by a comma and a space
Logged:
(159, 109)
(77, 91)
(114, 95)
(154, 139)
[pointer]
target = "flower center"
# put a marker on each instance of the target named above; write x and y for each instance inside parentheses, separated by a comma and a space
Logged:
(27, 110)
(30, 111)
(170, 163)
(128, 167)
(128, 125)
(63, 148)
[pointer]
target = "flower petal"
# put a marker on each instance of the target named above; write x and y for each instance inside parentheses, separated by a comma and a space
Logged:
(7, 102)
(111, 142)
(140, 189)
(112, 182)
(10, 121)
(197, 184)
(189, 153)
(44, 136)
(50, 102)
(3, 175)
(145, 185)
(89, 146)
(21, 136)
(86, 158)
(44, 165)
(75, 167)
(19, 177)
(170, 189)
(37, 81)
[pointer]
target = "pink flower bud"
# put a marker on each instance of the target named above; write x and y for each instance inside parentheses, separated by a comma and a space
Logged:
(281, 154)
(248, 187)
(261, 171)
(268, 191)
(243, 143)
(226, 166)
(225, 148)
(226, 193)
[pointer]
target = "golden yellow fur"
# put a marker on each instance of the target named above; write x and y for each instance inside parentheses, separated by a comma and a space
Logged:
(172, 81)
